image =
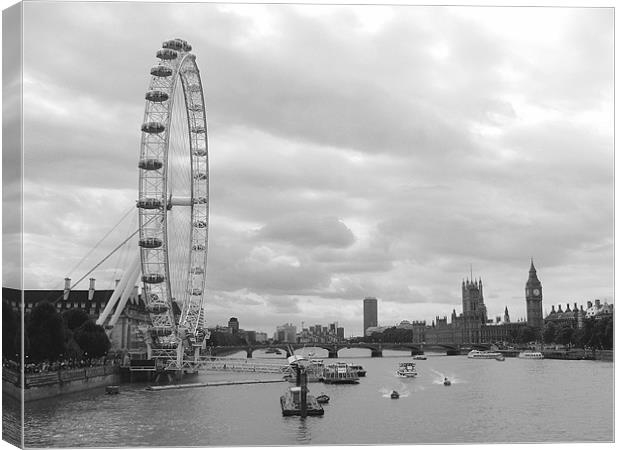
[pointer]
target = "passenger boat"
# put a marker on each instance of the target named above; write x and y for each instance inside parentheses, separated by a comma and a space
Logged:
(291, 403)
(406, 370)
(339, 373)
(394, 394)
(479, 354)
(419, 357)
(361, 372)
(531, 355)
(322, 398)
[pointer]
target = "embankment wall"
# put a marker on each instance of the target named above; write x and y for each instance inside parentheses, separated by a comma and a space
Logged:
(51, 384)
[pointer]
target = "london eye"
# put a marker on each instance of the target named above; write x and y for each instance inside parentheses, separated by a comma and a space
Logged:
(173, 203)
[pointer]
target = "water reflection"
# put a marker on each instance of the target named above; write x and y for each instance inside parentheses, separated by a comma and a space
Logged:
(304, 435)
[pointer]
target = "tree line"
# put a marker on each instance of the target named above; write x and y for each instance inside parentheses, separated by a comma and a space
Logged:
(50, 335)
(595, 333)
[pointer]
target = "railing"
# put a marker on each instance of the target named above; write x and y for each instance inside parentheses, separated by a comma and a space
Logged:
(60, 376)
(237, 365)
(11, 376)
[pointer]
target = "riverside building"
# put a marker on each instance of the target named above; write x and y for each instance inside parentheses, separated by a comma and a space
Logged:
(472, 326)
(370, 313)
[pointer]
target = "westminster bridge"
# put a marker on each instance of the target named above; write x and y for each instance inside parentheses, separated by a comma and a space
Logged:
(376, 348)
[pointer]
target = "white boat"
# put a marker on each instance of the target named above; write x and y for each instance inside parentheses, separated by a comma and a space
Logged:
(420, 357)
(339, 373)
(406, 370)
(531, 355)
(361, 372)
(479, 354)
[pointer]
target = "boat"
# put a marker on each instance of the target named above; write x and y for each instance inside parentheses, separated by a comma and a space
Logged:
(339, 373)
(394, 394)
(272, 350)
(486, 354)
(322, 398)
(406, 370)
(500, 358)
(420, 357)
(531, 355)
(446, 382)
(361, 372)
(291, 403)
(112, 390)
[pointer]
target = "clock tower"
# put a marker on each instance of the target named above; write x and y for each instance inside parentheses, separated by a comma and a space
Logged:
(533, 299)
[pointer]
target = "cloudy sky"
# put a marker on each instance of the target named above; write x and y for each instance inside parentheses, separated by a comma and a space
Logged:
(355, 151)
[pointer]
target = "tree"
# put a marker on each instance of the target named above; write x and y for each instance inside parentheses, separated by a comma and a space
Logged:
(564, 335)
(527, 334)
(219, 338)
(609, 333)
(395, 334)
(46, 332)
(92, 339)
(549, 332)
(74, 318)
(10, 332)
(602, 333)
(579, 338)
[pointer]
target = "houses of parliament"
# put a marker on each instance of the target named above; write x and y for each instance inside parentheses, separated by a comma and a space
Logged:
(473, 324)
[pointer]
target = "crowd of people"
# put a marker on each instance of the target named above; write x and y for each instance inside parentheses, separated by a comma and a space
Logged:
(61, 364)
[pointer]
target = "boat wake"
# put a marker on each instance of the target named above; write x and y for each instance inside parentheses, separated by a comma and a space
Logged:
(441, 376)
(386, 393)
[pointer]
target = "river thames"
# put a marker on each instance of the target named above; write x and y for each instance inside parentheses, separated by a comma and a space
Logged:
(511, 401)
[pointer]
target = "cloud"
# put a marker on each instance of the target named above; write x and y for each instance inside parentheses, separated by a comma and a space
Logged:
(354, 150)
(307, 230)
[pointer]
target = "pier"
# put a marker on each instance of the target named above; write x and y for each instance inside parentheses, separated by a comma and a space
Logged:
(211, 383)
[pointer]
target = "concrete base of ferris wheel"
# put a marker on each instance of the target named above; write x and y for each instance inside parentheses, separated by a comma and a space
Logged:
(211, 383)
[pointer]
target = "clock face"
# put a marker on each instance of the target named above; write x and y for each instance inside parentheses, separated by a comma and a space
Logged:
(536, 292)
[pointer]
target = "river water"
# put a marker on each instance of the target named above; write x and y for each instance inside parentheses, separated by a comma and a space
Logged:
(513, 401)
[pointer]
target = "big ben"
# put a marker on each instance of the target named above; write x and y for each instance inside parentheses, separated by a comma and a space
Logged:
(533, 298)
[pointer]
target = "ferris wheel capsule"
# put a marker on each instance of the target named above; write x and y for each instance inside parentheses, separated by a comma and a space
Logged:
(153, 278)
(161, 71)
(153, 127)
(150, 164)
(156, 96)
(149, 203)
(150, 243)
(166, 54)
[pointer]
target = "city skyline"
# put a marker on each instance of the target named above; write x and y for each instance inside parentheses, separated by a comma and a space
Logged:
(355, 151)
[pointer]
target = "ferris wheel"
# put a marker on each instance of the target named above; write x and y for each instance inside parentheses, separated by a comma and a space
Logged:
(173, 202)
